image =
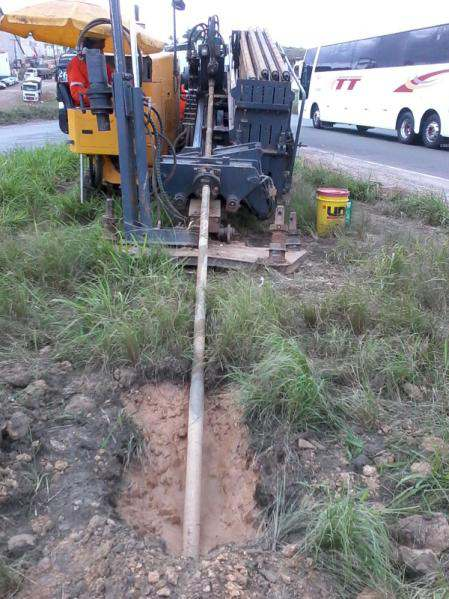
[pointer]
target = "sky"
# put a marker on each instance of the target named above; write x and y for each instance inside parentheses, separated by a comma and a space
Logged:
(291, 22)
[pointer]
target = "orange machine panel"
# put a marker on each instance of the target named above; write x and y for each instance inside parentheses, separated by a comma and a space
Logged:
(161, 90)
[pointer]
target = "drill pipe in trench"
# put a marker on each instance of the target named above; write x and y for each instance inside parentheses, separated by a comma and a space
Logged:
(192, 497)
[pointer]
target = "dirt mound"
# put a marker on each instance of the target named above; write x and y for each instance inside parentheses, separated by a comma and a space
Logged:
(152, 497)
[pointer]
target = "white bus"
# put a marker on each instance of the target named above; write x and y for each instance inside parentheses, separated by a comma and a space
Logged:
(398, 81)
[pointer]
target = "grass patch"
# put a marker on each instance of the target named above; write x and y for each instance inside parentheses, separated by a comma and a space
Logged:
(144, 319)
(319, 176)
(430, 208)
(38, 187)
(30, 112)
(10, 580)
(350, 539)
(281, 385)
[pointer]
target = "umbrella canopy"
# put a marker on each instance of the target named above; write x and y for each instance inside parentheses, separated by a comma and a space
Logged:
(61, 21)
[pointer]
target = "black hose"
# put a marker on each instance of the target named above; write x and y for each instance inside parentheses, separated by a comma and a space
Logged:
(161, 126)
(158, 184)
(166, 139)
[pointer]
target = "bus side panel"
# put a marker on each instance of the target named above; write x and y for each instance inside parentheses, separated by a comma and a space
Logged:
(375, 97)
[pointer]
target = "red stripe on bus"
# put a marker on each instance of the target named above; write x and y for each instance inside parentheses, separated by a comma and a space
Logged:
(410, 85)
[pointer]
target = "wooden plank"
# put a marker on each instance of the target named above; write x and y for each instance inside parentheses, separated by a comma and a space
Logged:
(237, 255)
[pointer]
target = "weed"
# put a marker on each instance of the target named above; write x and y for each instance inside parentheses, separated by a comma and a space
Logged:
(119, 319)
(354, 444)
(10, 580)
(282, 385)
(350, 538)
(29, 112)
(319, 176)
(430, 208)
(132, 443)
(431, 490)
(242, 311)
(304, 203)
(34, 186)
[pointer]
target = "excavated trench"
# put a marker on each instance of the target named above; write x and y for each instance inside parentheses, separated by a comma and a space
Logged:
(152, 497)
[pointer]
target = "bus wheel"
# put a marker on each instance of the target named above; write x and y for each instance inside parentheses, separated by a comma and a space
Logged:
(430, 132)
(316, 120)
(406, 128)
(362, 129)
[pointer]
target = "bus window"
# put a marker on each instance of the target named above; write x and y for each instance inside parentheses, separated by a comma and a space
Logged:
(307, 69)
(343, 56)
(391, 50)
(325, 59)
(443, 43)
(337, 57)
(365, 53)
(422, 47)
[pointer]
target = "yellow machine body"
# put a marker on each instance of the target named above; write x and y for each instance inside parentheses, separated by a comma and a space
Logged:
(85, 138)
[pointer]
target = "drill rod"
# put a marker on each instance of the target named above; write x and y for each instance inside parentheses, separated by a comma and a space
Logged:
(258, 59)
(283, 68)
(192, 498)
(274, 72)
(246, 58)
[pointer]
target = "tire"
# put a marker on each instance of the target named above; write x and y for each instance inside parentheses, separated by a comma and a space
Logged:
(406, 128)
(316, 117)
(362, 128)
(431, 131)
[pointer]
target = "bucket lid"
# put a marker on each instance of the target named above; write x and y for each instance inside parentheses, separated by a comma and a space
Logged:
(333, 192)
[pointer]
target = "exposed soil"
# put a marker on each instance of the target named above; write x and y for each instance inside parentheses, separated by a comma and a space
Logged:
(152, 499)
(100, 529)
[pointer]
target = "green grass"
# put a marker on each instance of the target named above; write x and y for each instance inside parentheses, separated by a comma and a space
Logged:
(318, 176)
(346, 537)
(351, 539)
(282, 384)
(10, 580)
(430, 208)
(29, 112)
(242, 312)
(38, 187)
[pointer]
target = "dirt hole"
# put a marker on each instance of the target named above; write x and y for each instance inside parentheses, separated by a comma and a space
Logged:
(152, 496)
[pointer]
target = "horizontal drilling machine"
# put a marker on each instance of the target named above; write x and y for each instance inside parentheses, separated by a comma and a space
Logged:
(163, 138)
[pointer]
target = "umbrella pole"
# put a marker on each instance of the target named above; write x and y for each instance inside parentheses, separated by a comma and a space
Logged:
(81, 178)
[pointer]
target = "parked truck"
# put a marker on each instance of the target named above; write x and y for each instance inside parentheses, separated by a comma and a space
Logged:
(32, 90)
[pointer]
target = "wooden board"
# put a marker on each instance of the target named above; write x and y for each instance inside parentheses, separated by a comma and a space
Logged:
(236, 255)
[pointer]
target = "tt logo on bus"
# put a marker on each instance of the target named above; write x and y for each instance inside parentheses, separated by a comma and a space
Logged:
(347, 83)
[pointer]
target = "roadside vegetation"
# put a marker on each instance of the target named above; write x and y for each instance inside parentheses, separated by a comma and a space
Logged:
(430, 208)
(29, 112)
(366, 358)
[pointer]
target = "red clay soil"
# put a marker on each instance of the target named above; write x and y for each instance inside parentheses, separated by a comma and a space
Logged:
(152, 498)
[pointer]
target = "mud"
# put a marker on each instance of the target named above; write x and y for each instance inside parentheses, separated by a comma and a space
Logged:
(152, 496)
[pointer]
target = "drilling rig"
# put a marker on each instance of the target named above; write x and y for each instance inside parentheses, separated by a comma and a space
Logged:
(234, 134)
(231, 149)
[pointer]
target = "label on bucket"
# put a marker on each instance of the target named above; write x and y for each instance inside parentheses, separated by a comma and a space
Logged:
(335, 212)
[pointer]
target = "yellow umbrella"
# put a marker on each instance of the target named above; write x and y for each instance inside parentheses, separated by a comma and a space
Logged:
(61, 21)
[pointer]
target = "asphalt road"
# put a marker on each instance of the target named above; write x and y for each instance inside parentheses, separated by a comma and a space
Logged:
(378, 146)
(30, 135)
